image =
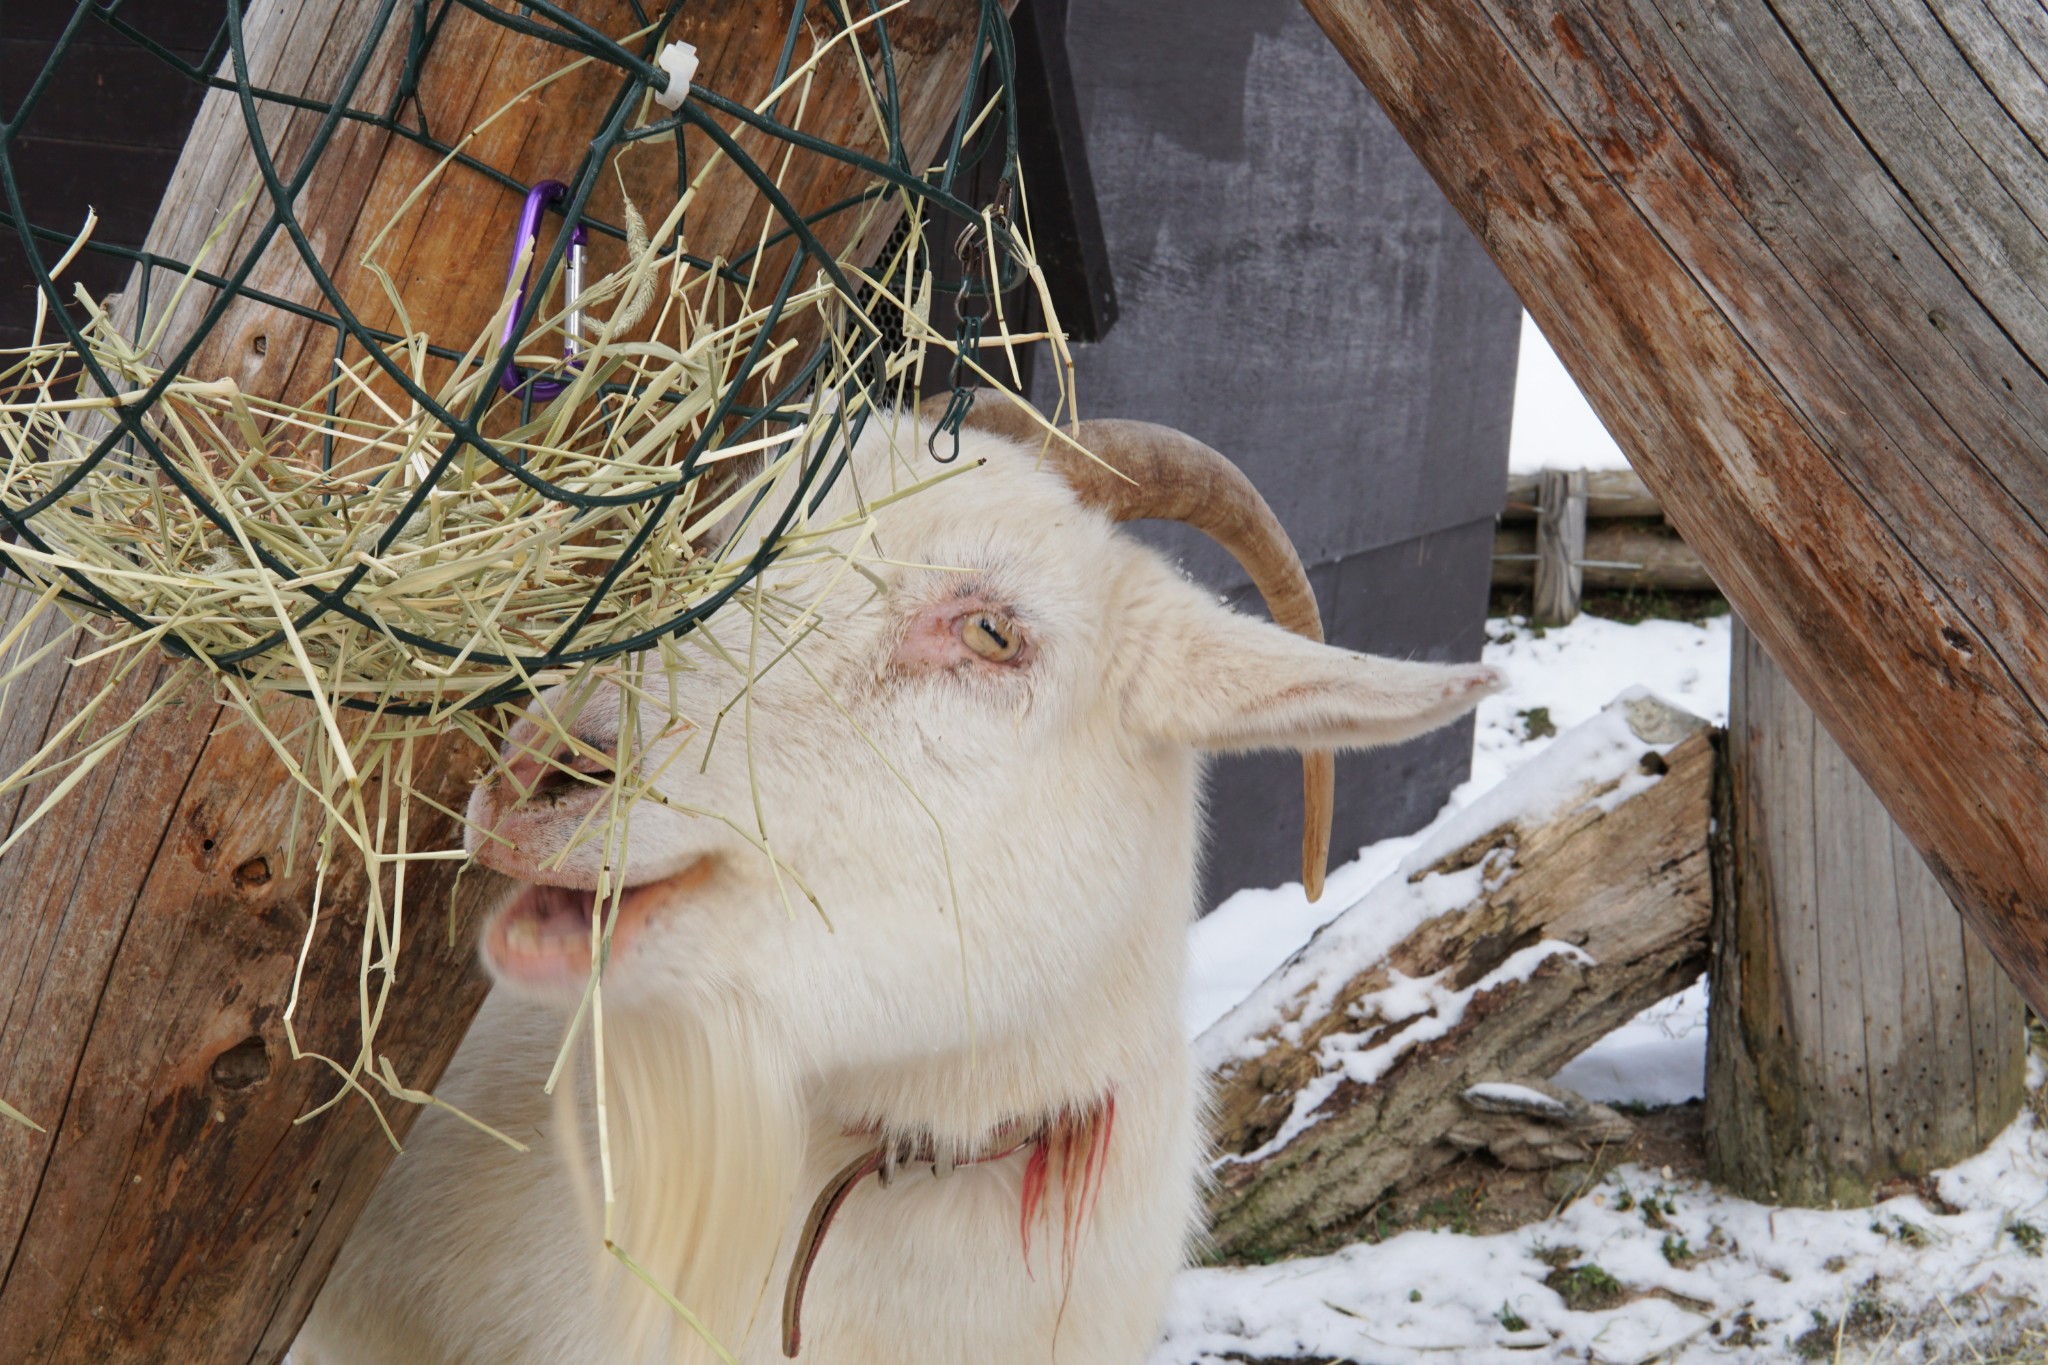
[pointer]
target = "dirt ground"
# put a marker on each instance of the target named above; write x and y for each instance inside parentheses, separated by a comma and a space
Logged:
(1476, 1195)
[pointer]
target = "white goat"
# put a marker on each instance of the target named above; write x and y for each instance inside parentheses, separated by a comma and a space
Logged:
(1004, 998)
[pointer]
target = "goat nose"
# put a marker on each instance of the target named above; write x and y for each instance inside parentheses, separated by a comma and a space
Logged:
(538, 762)
(524, 774)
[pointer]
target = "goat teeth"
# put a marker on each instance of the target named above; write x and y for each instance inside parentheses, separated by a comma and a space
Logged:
(522, 936)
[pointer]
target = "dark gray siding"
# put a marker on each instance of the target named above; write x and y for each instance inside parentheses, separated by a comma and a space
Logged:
(1294, 290)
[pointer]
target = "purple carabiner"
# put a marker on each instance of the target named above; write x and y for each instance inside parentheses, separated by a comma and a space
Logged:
(513, 379)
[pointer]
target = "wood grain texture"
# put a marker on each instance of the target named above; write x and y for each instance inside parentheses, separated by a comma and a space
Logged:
(1560, 545)
(1623, 879)
(446, 251)
(174, 1211)
(1792, 253)
(1859, 1032)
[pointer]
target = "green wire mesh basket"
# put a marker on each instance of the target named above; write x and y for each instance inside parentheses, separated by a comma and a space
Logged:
(443, 522)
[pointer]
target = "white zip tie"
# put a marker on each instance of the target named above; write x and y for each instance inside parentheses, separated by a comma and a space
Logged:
(680, 61)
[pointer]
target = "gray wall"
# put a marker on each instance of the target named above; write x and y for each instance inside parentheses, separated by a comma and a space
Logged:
(1295, 291)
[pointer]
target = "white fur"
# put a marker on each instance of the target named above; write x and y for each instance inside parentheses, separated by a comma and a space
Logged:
(749, 1044)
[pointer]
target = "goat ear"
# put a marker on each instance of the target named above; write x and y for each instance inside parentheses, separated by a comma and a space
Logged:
(1228, 682)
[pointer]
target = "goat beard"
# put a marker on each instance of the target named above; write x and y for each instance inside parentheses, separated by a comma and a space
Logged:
(706, 1133)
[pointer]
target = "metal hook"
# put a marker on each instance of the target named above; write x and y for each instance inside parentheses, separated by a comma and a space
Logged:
(973, 308)
(528, 240)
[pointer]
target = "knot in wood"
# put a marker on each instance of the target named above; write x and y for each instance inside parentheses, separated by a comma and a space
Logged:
(245, 1064)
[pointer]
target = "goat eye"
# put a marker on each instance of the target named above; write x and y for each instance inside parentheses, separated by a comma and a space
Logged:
(994, 637)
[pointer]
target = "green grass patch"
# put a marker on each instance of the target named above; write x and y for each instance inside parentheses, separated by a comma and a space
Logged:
(1586, 1288)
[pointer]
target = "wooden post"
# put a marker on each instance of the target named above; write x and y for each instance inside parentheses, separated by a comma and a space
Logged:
(1858, 1033)
(1560, 544)
(172, 1209)
(1792, 253)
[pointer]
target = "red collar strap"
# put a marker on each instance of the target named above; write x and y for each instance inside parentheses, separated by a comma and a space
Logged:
(884, 1160)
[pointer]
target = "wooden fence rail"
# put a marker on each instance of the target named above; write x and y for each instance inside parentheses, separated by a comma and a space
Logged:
(1624, 544)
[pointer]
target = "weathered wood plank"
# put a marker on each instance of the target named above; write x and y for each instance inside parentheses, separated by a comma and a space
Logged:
(300, 50)
(1789, 257)
(1525, 934)
(143, 960)
(1560, 545)
(1846, 1045)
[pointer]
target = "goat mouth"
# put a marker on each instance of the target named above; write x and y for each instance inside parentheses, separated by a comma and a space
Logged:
(546, 935)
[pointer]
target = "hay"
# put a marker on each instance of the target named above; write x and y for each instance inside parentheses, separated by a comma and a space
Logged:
(352, 576)
(356, 555)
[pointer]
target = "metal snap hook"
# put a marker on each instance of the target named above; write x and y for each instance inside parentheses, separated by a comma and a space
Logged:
(514, 378)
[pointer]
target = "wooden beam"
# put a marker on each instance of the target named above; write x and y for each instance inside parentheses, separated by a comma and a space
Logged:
(1859, 1033)
(1792, 253)
(1529, 930)
(173, 1209)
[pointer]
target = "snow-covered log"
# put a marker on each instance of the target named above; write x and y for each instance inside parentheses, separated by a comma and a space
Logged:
(1546, 915)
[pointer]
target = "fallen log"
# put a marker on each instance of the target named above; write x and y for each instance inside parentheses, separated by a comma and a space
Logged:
(1549, 913)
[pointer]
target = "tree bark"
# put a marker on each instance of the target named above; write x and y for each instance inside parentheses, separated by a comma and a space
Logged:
(173, 1210)
(1579, 907)
(1859, 1033)
(1793, 254)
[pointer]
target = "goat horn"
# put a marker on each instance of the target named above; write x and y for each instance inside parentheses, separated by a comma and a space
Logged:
(1170, 476)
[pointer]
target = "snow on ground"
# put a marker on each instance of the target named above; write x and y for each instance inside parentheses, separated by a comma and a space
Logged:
(1658, 1057)
(1705, 1277)
(1570, 672)
(1721, 1279)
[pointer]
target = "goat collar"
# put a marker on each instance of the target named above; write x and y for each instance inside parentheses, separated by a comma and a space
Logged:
(884, 1160)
